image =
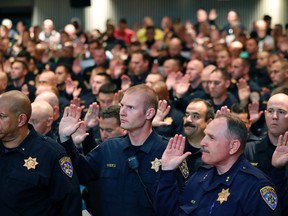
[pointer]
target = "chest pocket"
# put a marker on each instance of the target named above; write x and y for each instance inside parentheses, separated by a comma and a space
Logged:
(20, 186)
(109, 180)
(23, 178)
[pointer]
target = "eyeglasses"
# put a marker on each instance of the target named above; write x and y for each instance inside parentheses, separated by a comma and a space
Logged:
(279, 112)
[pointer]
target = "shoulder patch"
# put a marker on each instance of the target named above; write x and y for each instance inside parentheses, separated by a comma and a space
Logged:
(269, 196)
(66, 166)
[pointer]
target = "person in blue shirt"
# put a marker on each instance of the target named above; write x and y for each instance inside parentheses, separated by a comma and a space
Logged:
(37, 176)
(125, 167)
(231, 186)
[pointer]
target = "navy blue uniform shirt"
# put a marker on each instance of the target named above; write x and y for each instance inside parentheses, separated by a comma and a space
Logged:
(121, 192)
(235, 193)
(32, 181)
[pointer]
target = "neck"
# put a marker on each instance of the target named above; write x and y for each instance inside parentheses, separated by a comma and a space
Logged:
(226, 165)
(18, 82)
(195, 84)
(273, 139)
(194, 141)
(220, 100)
(138, 137)
(15, 142)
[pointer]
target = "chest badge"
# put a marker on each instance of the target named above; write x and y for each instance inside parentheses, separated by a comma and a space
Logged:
(30, 163)
(223, 195)
(156, 164)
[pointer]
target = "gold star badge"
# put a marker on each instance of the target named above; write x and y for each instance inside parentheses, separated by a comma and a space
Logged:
(168, 120)
(156, 164)
(223, 195)
(30, 163)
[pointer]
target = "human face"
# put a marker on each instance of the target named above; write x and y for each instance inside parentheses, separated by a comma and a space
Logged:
(262, 59)
(174, 47)
(194, 69)
(152, 78)
(109, 128)
(96, 83)
(215, 145)
(277, 74)
(99, 56)
(194, 119)
(8, 124)
(276, 115)
(223, 59)
(47, 78)
(237, 69)
(138, 65)
(251, 47)
(168, 67)
(61, 75)
(132, 115)
(105, 99)
(18, 72)
(217, 85)
(245, 118)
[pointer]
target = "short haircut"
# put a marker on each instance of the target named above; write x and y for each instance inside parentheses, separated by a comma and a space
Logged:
(112, 111)
(239, 109)
(236, 129)
(148, 96)
(67, 67)
(144, 54)
(107, 76)
(108, 88)
(225, 74)
(17, 103)
(282, 89)
(24, 64)
(210, 113)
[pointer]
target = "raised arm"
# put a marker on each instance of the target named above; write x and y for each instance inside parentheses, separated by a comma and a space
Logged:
(280, 156)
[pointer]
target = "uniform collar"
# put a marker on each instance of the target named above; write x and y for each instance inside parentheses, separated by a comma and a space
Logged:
(25, 145)
(147, 145)
(211, 179)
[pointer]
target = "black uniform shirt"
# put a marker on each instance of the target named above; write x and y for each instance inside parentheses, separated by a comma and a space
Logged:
(37, 178)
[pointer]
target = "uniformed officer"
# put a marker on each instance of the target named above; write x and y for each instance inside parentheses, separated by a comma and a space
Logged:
(126, 167)
(37, 177)
(231, 186)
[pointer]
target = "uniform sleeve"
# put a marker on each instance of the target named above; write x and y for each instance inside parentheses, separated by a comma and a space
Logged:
(263, 201)
(167, 194)
(65, 189)
(87, 167)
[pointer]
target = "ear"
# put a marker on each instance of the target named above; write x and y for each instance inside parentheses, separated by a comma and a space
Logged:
(22, 119)
(150, 113)
(234, 146)
(227, 83)
(49, 121)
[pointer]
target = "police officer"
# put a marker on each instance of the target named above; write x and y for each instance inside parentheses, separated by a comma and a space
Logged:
(231, 186)
(37, 177)
(126, 167)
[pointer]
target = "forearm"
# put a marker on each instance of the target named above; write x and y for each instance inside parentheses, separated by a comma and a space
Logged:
(167, 194)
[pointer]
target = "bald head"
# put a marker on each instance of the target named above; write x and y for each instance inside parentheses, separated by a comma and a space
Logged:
(42, 116)
(52, 99)
(16, 102)
(49, 97)
(48, 78)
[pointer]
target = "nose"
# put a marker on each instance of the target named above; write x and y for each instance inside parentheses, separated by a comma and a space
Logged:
(122, 111)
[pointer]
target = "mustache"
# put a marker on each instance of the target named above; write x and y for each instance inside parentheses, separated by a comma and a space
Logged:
(189, 124)
(202, 149)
